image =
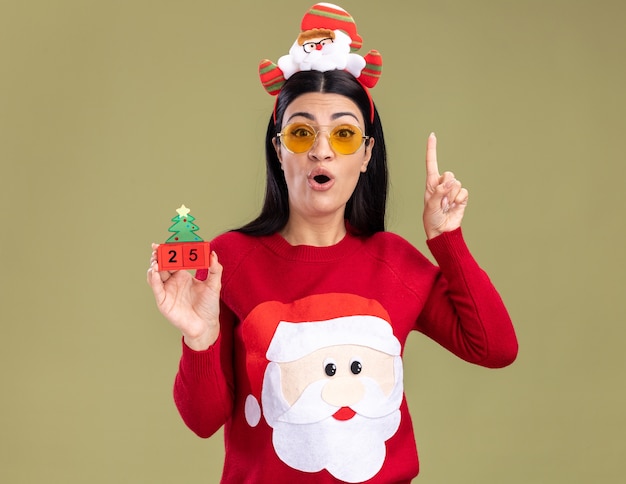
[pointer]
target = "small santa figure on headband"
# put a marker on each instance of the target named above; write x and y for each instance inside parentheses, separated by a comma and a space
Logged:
(328, 40)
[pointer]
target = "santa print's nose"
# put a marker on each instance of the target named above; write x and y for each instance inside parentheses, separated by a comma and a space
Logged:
(318, 47)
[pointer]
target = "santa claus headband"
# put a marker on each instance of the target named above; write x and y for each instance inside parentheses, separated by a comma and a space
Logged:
(328, 40)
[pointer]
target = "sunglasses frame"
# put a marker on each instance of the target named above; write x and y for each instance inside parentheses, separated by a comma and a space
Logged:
(317, 131)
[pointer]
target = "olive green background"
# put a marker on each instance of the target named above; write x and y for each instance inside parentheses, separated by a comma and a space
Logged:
(114, 113)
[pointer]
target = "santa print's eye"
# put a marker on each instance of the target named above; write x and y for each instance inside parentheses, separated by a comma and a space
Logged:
(356, 367)
(330, 367)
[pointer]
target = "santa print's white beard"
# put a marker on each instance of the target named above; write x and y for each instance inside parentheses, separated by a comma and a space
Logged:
(353, 451)
(307, 437)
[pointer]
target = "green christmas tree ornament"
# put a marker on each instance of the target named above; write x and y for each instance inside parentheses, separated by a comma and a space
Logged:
(184, 229)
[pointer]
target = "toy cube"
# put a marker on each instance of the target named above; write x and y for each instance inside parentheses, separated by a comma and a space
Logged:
(183, 255)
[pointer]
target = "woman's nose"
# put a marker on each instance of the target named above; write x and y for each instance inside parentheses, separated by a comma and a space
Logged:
(321, 149)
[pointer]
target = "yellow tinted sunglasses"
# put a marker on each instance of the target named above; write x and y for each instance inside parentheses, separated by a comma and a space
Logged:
(344, 139)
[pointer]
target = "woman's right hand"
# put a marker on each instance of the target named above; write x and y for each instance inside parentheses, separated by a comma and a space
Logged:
(191, 305)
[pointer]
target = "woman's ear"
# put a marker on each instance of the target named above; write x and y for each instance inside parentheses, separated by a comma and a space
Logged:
(276, 144)
(369, 145)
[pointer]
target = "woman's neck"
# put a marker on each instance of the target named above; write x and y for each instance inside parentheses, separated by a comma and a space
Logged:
(316, 233)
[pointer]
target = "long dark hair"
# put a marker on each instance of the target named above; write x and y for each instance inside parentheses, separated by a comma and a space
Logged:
(365, 210)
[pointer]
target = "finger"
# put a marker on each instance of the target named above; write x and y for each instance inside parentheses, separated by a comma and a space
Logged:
(447, 177)
(165, 275)
(153, 254)
(214, 264)
(448, 203)
(439, 193)
(462, 197)
(154, 269)
(154, 264)
(214, 279)
(432, 169)
(454, 188)
(154, 279)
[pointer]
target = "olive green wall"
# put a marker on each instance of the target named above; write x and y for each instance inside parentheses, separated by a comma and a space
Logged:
(113, 113)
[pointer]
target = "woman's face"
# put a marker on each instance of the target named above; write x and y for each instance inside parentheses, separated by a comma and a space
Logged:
(320, 181)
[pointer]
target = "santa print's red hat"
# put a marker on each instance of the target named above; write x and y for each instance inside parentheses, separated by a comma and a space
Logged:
(258, 330)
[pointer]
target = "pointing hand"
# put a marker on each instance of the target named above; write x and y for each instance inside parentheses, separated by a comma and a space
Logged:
(444, 199)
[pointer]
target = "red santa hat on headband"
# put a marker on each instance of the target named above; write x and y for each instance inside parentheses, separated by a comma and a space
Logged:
(332, 17)
(321, 22)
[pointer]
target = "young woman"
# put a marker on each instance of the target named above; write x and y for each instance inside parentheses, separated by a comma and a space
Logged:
(293, 339)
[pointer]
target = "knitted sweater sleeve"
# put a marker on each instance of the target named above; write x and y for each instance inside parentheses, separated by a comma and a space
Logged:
(464, 312)
(203, 388)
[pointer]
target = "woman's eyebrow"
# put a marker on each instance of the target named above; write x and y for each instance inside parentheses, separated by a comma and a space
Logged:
(347, 113)
(302, 114)
(310, 117)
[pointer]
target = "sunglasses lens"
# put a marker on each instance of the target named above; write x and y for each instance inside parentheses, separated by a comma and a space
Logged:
(298, 138)
(346, 139)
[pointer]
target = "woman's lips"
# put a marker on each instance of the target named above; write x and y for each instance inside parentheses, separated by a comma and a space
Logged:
(320, 179)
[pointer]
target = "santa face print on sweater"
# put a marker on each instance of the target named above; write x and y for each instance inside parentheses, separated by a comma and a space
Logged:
(331, 388)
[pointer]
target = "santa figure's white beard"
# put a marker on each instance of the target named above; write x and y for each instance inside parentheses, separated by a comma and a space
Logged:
(332, 56)
(307, 437)
(335, 55)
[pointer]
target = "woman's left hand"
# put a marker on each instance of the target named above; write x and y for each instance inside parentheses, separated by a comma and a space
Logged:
(444, 199)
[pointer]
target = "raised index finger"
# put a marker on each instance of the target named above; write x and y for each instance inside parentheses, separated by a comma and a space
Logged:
(432, 169)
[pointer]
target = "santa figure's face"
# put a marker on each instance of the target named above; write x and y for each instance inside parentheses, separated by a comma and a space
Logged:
(334, 408)
(321, 50)
(314, 44)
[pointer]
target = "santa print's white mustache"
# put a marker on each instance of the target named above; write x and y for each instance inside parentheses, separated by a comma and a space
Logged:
(311, 407)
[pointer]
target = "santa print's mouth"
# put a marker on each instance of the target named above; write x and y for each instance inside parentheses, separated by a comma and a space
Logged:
(344, 413)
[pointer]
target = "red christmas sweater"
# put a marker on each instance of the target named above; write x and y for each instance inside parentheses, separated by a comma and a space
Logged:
(306, 375)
